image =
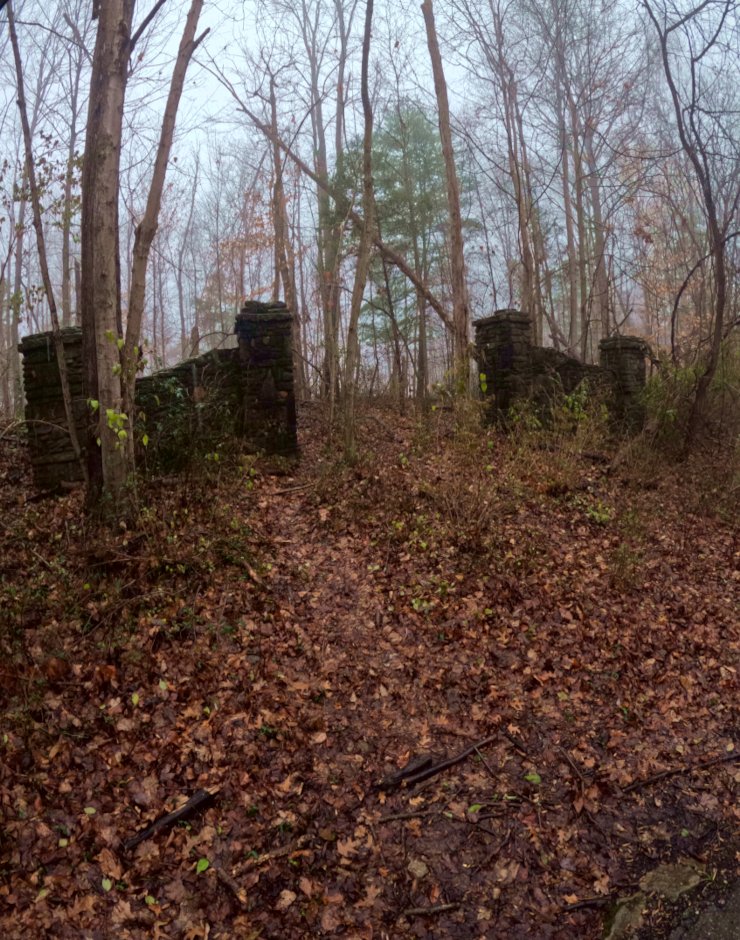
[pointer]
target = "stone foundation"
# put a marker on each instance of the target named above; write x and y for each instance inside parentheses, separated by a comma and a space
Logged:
(198, 405)
(518, 371)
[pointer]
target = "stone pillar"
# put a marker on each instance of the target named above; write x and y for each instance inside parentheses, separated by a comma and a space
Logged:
(623, 359)
(504, 343)
(52, 457)
(268, 418)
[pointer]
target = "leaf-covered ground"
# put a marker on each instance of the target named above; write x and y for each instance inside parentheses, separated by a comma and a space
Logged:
(288, 640)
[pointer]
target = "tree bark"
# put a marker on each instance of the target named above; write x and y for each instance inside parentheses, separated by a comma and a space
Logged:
(109, 463)
(460, 317)
(364, 251)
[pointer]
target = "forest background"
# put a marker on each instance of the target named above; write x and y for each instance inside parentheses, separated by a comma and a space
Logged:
(580, 200)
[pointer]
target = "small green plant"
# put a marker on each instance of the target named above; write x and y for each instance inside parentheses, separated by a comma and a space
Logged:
(599, 513)
(594, 509)
(420, 605)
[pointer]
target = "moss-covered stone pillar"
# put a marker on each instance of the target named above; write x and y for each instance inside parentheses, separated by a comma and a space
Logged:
(623, 359)
(268, 418)
(504, 343)
(52, 457)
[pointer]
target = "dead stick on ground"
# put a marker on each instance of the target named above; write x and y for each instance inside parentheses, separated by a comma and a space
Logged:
(484, 762)
(396, 817)
(198, 801)
(276, 853)
(429, 911)
(443, 765)
(599, 901)
(688, 769)
(230, 883)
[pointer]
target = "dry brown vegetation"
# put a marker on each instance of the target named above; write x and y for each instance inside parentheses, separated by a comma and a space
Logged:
(289, 637)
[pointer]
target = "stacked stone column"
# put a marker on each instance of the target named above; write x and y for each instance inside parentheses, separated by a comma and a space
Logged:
(504, 342)
(623, 359)
(268, 414)
(52, 457)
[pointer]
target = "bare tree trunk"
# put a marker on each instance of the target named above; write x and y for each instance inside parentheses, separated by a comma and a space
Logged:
(364, 251)
(396, 334)
(571, 254)
(582, 231)
(147, 228)
(100, 304)
(41, 245)
(185, 340)
(284, 270)
(67, 205)
(601, 274)
(16, 298)
(457, 259)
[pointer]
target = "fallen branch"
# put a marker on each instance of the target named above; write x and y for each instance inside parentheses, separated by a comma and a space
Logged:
(429, 911)
(198, 801)
(276, 853)
(418, 770)
(398, 817)
(228, 882)
(414, 766)
(598, 901)
(678, 771)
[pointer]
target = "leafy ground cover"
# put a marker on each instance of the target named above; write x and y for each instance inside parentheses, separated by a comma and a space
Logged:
(290, 638)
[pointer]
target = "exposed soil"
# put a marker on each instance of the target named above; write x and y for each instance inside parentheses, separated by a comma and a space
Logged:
(289, 637)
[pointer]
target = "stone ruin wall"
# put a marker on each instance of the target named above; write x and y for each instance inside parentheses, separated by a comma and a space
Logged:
(518, 371)
(200, 403)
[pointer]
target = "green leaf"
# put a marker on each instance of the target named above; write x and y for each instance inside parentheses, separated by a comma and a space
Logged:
(89, 811)
(149, 900)
(163, 685)
(203, 865)
(107, 884)
(135, 699)
(533, 778)
(145, 439)
(475, 808)
(63, 843)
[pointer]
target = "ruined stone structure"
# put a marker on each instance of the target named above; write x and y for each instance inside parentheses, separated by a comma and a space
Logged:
(196, 406)
(517, 371)
(52, 457)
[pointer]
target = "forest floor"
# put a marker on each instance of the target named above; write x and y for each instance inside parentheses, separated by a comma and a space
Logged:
(289, 638)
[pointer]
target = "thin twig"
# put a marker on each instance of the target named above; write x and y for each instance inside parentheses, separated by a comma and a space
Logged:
(678, 771)
(276, 853)
(229, 882)
(397, 817)
(485, 763)
(598, 901)
(429, 911)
